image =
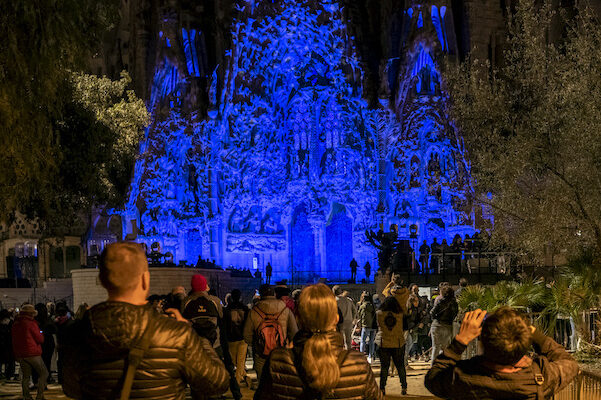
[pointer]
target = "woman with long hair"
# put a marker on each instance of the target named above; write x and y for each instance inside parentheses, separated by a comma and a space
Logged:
(391, 338)
(317, 366)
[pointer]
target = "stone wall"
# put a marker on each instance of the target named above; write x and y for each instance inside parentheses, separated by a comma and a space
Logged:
(54, 291)
(87, 288)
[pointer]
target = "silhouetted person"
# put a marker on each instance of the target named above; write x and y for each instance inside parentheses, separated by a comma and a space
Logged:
(446, 249)
(424, 256)
(268, 272)
(436, 249)
(354, 267)
(367, 268)
(467, 246)
(456, 248)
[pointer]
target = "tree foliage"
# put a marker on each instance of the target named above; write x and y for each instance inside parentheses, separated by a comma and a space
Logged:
(532, 129)
(68, 139)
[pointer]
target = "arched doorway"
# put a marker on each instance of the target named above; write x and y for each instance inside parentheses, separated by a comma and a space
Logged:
(339, 244)
(302, 246)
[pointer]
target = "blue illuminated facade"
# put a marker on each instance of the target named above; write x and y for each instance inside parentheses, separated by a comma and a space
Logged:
(291, 166)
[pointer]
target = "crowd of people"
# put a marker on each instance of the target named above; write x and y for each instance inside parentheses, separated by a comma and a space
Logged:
(453, 256)
(312, 343)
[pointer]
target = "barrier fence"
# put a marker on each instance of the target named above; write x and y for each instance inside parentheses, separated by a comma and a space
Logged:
(586, 386)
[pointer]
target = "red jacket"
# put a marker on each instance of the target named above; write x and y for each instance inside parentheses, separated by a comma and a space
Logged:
(27, 339)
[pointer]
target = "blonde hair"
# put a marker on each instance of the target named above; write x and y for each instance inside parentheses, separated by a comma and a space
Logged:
(317, 310)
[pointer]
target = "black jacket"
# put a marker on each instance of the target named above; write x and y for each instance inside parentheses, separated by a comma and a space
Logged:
(281, 381)
(445, 310)
(98, 346)
(453, 378)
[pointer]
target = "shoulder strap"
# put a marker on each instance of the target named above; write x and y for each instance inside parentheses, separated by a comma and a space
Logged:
(259, 312)
(134, 358)
(539, 379)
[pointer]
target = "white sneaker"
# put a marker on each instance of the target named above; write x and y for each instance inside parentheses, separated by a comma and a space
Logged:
(369, 359)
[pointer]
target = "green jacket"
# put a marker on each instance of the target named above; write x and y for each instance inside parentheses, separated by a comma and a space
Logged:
(366, 315)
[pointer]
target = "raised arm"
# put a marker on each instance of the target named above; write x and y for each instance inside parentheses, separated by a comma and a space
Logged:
(439, 379)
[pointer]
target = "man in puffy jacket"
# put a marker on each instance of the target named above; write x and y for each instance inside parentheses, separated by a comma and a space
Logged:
(96, 358)
(27, 346)
(505, 370)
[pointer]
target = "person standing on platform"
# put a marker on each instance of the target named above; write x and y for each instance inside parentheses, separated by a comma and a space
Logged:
(268, 272)
(436, 250)
(354, 265)
(424, 256)
(367, 268)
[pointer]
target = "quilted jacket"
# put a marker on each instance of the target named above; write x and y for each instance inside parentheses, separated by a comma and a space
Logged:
(97, 348)
(453, 378)
(281, 381)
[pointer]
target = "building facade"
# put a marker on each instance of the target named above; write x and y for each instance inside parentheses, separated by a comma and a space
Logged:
(275, 139)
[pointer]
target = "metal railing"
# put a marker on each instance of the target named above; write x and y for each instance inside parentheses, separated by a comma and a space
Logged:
(586, 386)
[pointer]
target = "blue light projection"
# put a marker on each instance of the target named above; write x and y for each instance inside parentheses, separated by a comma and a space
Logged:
(291, 163)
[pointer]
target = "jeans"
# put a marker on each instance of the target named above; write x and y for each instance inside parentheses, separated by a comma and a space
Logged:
(346, 331)
(370, 334)
(442, 335)
(409, 341)
(238, 352)
(28, 365)
(398, 357)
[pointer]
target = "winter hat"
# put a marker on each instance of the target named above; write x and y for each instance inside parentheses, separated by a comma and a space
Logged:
(28, 309)
(199, 283)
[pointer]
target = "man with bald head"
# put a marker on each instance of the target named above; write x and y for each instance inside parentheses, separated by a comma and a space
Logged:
(101, 342)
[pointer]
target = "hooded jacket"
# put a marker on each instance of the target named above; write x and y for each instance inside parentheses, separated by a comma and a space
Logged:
(99, 344)
(367, 315)
(27, 338)
(281, 380)
(453, 378)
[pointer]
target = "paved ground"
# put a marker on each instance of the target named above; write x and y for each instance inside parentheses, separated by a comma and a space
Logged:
(415, 380)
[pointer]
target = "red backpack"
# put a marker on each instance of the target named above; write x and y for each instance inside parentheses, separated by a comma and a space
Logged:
(269, 334)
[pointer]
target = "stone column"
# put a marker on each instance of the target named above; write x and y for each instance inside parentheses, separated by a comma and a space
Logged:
(318, 224)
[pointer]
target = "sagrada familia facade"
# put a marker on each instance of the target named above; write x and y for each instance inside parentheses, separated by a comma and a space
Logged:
(283, 130)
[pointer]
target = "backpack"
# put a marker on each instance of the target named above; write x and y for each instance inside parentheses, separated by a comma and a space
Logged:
(236, 324)
(203, 314)
(269, 334)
